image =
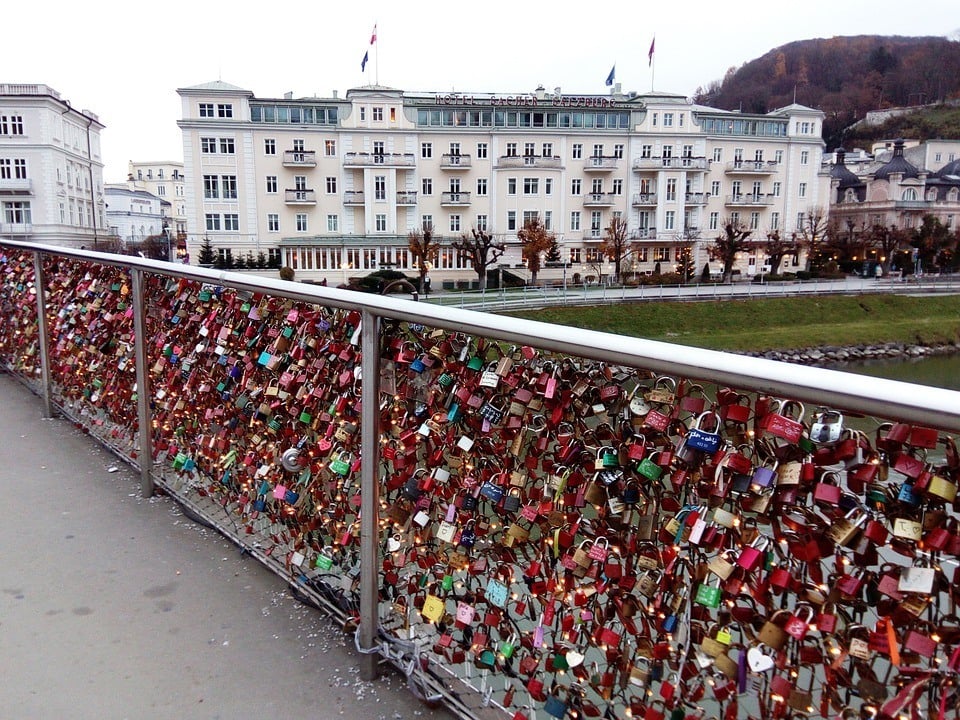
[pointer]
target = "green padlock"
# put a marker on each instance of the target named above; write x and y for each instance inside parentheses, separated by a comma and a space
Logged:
(475, 363)
(179, 461)
(305, 417)
(487, 659)
(447, 582)
(708, 595)
(609, 458)
(341, 465)
(649, 469)
(325, 559)
(508, 646)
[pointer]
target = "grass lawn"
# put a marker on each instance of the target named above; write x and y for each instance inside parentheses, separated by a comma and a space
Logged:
(773, 324)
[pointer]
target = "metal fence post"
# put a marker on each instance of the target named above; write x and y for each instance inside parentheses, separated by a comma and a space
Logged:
(369, 492)
(144, 417)
(43, 333)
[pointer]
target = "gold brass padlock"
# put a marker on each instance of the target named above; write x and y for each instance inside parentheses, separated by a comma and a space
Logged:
(941, 487)
(907, 529)
(845, 529)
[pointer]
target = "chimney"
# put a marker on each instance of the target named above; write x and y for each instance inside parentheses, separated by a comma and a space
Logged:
(288, 95)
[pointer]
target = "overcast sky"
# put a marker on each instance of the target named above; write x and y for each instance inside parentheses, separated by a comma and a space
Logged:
(124, 61)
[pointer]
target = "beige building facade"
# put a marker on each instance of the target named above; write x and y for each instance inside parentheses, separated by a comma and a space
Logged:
(334, 185)
(51, 169)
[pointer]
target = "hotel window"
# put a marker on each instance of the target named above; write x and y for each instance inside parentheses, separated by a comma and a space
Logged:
(300, 183)
(206, 109)
(161, 190)
(661, 254)
(668, 119)
(597, 151)
(575, 186)
(213, 221)
(511, 219)
(531, 186)
(548, 219)
(574, 221)
(481, 187)
(778, 157)
(757, 190)
(577, 151)
(377, 113)
(482, 151)
(596, 186)
(211, 187)
(800, 217)
(715, 188)
(595, 221)
(229, 187)
(775, 221)
(17, 212)
(333, 223)
(330, 148)
(546, 150)
(671, 189)
(717, 154)
(426, 186)
(378, 149)
(381, 222)
(331, 185)
(454, 223)
(802, 190)
(804, 157)
(208, 145)
(363, 113)
(618, 150)
(680, 119)
(231, 221)
(301, 222)
(655, 117)
(714, 220)
(426, 222)
(482, 222)
(529, 149)
(380, 187)
(776, 189)
(273, 222)
(529, 216)
(225, 255)
(271, 184)
(754, 220)
(669, 220)
(426, 150)
(269, 146)
(548, 186)
(455, 149)
(511, 149)
(511, 186)
(225, 110)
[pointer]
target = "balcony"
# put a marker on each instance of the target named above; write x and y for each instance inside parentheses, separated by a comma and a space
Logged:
(299, 158)
(300, 197)
(751, 167)
(647, 233)
(648, 198)
(353, 197)
(507, 162)
(670, 163)
(599, 163)
(407, 197)
(364, 160)
(748, 200)
(455, 198)
(696, 198)
(16, 186)
(450, 161)
(600, 199)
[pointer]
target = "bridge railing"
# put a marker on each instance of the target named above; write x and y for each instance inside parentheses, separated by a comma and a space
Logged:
(525, 518)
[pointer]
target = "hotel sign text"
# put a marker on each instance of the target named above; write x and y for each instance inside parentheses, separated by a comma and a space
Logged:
(583, 101)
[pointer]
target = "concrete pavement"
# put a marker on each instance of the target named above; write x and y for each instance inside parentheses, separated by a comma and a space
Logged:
(113, 607)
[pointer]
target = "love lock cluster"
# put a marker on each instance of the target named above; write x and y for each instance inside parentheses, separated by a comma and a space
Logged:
(587, 539)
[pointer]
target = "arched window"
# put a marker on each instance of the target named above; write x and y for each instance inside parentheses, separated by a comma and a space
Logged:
(850, 195)
(910, 194)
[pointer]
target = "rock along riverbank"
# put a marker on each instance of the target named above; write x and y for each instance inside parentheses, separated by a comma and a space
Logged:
(828, 355)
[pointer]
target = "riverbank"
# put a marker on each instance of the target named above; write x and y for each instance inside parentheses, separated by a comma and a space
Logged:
(832, 356)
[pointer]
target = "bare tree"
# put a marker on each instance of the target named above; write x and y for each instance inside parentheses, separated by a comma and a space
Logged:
(729, 245)
(424, 249)
(776, 248)
(615, 246)
(535, 239)
(813, 236)
(887, 240)
(481, 250)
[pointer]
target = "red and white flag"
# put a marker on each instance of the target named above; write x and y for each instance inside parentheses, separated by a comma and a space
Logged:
(373, 36)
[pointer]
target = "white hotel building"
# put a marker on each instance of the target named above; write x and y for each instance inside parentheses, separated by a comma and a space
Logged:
(334, 185)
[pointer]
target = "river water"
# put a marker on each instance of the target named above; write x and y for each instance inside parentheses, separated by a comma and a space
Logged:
(941, 371)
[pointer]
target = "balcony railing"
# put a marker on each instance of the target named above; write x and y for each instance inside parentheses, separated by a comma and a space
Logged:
(670, 163)
(353, 197)
(364, 159)
(509, 162)
(595, 199)
(353, 443)
(693, 198)
(300, 197)
(455, 198)
(597, 163)
(299, 158)
(450, 161)
(406, 197)
(16, 186)
(751, 167)
(647, 233)
(748, 199)
(648, 198)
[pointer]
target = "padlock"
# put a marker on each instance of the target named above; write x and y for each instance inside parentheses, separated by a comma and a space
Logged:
(827, 427)
(709, 595)
(798, 624)
(752, 555)
(844, 530)
(706, 441)
(907, 529)
(917, 580)
(771, 633)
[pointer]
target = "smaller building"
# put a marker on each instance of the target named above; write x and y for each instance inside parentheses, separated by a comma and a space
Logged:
(136, 218)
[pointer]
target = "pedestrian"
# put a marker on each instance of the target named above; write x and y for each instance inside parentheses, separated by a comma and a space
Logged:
(878, 271)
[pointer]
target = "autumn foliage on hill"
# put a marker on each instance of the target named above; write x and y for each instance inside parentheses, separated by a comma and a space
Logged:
(846, 77)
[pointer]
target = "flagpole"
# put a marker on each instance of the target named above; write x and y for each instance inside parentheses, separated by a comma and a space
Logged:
(653, 60)
(376, 60)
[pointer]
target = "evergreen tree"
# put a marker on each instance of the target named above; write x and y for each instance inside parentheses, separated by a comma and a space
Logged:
(207, 256)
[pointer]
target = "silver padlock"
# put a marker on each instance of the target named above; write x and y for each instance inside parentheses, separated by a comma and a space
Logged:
(827, 427)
